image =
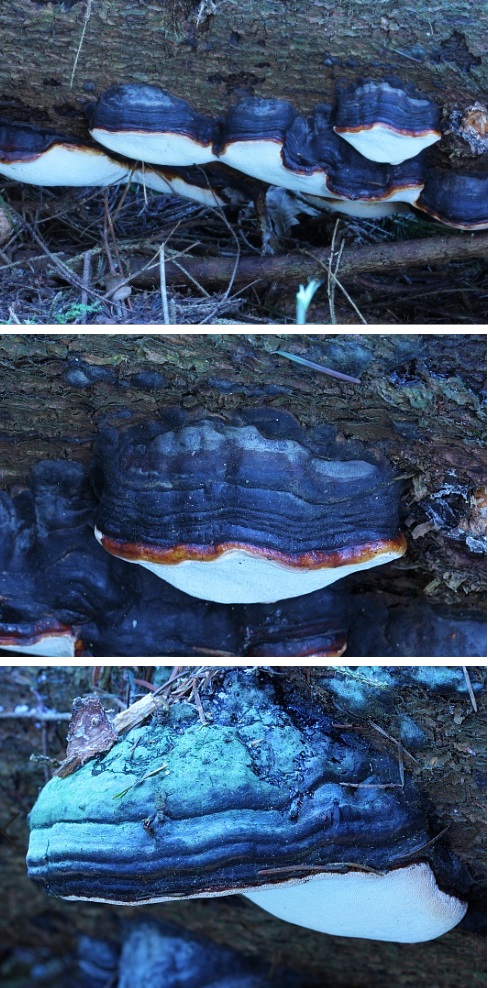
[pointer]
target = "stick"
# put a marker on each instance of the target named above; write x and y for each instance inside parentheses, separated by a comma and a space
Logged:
(297, 267)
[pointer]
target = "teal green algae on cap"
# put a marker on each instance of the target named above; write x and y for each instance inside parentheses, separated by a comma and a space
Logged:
(269, 798)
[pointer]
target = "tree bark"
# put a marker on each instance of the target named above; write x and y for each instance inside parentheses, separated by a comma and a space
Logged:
(56, 55)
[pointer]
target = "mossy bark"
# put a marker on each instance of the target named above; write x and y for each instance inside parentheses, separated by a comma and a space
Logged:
(57, 55)
(449, 770)
(420, 401)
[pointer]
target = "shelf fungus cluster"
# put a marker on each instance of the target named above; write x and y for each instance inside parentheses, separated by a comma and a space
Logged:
(366, 154)
(245, 529)
(43, 157)
(250, 510)
(271, 800)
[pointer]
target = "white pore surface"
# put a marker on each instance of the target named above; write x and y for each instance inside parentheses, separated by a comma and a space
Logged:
(175, 185)
(262, 159)
(66, 165)
(157, 149)
(368, 210)
(238, 577)
(381, 143)
(50, 646)
(404, 905)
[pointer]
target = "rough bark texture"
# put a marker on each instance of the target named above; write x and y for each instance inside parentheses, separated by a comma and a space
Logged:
(215, 52)
(450, 771)
(420, 401)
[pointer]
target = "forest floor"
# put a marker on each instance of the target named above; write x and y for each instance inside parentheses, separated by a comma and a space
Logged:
(95, 257)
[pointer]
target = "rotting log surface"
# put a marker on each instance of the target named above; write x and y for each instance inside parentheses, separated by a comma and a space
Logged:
(450, 769)
(213, 53)
(420, 401)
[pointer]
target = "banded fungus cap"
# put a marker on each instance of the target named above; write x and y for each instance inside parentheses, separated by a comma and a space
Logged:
(26, 629)
(150, 124)
(59, 590)
(355, 178)
(174, 812)
(267, 139)
(54, 579)
(43, 157)
(457, 199)
(245, 511)
(385, 122)
(351, 176)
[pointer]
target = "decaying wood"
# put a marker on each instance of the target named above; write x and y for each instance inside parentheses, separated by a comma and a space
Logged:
(90, 734)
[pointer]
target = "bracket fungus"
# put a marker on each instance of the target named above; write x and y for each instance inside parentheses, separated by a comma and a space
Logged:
(271, 800)
(386, 122)
(42, 157)
(61, 595)
(350, 175)
(456, 199)
(26, 630)
(267, 139)
(150, 124)
(264, 138)
(250, 510)
(54, 580)
(356, 179)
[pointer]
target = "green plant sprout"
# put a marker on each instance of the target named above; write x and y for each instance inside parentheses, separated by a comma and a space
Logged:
(304, 297)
